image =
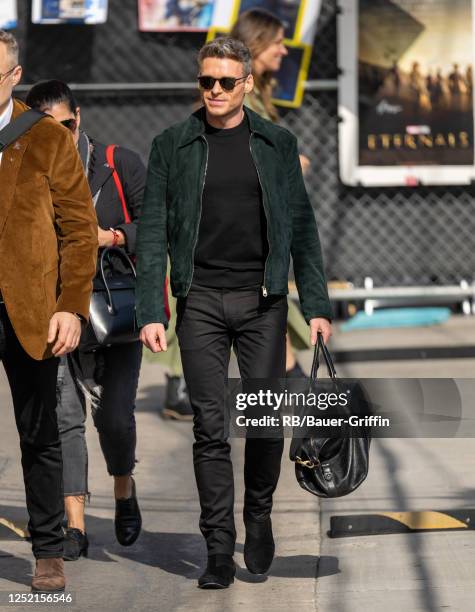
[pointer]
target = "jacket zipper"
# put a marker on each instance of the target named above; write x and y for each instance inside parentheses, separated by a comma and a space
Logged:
(264, 289)
(199, 216)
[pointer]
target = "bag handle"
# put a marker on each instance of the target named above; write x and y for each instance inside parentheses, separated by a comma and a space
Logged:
(320, 346)
(19, 126)
(110, 160)
(106, 253)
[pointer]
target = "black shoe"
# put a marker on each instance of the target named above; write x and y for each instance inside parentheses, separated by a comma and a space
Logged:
(219, 573)
(75, 544)
(128, 520)
(259, 547)
(295, 372)
(296, 380)
(177, 402)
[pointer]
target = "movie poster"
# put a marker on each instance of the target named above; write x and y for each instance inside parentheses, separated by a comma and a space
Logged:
(299, 16)
(288, 11)
(88, 12)
(180, 15)
(289, 87)
(8, 14)
(406, 93)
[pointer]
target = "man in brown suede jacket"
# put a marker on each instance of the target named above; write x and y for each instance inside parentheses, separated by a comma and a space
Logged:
(48, 249)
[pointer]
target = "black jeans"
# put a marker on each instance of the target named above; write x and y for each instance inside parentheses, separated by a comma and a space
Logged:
(33, 388)
(109, 378)
(209, 321)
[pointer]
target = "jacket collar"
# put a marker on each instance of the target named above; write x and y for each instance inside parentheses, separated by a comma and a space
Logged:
(99, 169)
(195, 126)
(19, 107)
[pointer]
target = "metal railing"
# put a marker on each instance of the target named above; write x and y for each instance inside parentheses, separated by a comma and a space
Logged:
(175, 87)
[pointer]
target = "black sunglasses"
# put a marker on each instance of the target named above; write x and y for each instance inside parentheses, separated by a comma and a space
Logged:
(71, 124)
(226, 83)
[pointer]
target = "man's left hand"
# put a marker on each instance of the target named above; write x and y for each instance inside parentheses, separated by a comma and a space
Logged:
(320, 325)
(65, 328)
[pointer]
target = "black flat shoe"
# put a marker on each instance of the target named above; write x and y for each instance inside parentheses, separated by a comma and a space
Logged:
(128, 520)
(296, 372)
(75, 544)
(177, 401)
(219, 573)
(259, 546)
(296, 380)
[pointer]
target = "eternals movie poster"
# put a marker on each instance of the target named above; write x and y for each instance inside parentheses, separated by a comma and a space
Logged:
(414, 88)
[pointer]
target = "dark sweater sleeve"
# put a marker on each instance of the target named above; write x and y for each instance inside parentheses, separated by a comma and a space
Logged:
(132, 174)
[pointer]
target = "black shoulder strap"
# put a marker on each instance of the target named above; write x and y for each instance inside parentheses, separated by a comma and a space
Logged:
(17, 128)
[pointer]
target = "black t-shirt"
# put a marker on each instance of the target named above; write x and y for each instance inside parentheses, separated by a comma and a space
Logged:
(232, 242)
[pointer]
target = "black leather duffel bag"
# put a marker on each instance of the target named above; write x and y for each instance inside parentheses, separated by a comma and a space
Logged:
(333, 466)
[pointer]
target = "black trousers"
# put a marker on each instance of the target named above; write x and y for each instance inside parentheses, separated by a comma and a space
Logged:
(33, 388)
(209, 322)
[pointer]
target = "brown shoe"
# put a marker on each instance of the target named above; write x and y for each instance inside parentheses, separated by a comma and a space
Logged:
(49, 576)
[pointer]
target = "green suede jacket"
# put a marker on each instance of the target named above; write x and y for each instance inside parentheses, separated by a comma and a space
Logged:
(171, 213)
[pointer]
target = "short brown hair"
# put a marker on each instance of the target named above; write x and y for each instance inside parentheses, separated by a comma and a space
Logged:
(11, 43)
(227, 48)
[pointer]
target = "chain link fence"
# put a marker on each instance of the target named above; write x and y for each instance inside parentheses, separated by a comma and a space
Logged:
(398, 236)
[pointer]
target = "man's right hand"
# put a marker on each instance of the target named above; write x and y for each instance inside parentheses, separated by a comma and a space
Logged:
(153, 336)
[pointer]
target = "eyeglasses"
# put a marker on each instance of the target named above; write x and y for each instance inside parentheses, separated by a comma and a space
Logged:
(226, 83)
(71, 124)
(5, 74)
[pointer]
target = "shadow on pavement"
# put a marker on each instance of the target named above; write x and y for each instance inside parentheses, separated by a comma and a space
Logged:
(428, 594)
(15, 569)
(294, 566)
(182, 554)
(175, 553)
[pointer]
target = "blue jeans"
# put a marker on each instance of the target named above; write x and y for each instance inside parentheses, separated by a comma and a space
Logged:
(109, 378)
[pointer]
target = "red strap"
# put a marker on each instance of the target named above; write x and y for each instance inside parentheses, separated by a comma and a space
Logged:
(165, 296)
(110, 160)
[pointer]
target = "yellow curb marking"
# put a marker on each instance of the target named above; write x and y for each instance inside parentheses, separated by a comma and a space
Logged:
(23, 533)
(425, 520)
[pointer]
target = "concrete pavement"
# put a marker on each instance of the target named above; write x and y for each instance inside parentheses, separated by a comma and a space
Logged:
(160, 571)
(425, 571)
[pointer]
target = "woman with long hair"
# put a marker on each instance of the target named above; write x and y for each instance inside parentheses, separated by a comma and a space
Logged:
(263, 34)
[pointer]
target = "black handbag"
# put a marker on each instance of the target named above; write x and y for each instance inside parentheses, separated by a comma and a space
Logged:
(333, 466)
(112, 312)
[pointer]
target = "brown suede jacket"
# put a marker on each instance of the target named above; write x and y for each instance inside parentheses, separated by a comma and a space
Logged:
(48, 232)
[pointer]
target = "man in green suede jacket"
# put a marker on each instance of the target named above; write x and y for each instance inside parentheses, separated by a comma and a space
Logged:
(225, 196)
